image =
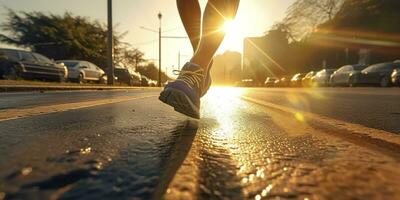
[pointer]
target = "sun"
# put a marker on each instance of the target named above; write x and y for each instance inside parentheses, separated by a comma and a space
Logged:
(234, 35)
(228, 27)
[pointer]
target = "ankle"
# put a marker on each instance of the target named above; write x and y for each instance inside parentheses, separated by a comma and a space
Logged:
(201, 63)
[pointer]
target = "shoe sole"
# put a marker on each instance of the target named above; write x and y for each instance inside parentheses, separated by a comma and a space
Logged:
(180, 102)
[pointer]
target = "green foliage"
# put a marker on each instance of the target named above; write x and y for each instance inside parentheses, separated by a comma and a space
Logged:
(65, 37)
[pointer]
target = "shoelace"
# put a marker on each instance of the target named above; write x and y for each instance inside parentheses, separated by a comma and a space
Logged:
(190, 78)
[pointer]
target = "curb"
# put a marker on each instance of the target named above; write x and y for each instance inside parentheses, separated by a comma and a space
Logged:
(33, 88)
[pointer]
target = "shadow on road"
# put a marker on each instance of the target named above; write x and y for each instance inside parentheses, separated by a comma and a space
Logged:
(178, 148)
(142, 170)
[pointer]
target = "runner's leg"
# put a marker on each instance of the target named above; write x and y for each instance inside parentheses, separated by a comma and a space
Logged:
(190, 13)
(215, 15)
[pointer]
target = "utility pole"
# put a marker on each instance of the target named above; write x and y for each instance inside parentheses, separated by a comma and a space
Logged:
(160, 37)
(110, 44)
(159, 50)
(180, 55)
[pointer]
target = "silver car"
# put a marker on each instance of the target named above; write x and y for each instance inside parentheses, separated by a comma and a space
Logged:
(322, 78)
(83, 71)
(342, 75)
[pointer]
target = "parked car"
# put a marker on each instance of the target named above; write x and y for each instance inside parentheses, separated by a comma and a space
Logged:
(145, 81)
(152, 83)
(127, 76)
(82, 71)
(322, 78)
(296, 80)
(377, 74)
(246, 83)
(283, 82)
(342, 75)
(16, 64)
(396, 77)
(270, 81)
(307, 80)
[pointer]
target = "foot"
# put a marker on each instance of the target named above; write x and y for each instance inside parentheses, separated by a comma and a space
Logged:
(184, 93)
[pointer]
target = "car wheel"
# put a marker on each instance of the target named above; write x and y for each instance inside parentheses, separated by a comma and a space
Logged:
(62, 79)
(384, 82)
(332, 83)
(397, 83)
(352, 82)
(103, 80)
(10, 74)
(130, 83)
(81, 79)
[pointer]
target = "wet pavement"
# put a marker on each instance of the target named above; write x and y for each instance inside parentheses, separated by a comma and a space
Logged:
(239, 150)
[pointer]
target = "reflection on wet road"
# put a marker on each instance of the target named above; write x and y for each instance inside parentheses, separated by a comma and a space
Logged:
(245, 151)
(240, 149)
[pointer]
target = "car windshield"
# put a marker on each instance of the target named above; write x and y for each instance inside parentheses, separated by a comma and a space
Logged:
(297, 76)
(42, 58)
(378, 67)
(70, 64)
(27, 56)
(310, 74)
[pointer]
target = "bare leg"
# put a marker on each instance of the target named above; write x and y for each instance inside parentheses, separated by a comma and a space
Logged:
(190, 13)
(215, 15)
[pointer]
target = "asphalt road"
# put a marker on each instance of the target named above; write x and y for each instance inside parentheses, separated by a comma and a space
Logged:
(328, 143)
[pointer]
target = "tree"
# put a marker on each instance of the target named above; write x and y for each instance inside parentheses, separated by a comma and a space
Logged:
(365, 24)
(367, 16)
(129, 57)
(150, 70)
(304, 16)
(66, 37)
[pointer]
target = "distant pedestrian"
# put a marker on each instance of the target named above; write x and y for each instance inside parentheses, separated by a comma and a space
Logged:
(205, 36)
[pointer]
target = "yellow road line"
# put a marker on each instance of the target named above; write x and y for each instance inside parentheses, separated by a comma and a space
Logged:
(10, 114)
(350, 128)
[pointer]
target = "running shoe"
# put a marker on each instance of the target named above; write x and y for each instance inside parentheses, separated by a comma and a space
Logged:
(184, 93)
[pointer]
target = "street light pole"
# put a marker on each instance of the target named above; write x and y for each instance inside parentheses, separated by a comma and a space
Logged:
(110, 44)
(159, 50)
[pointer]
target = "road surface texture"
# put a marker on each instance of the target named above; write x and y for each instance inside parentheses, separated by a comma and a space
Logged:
(328, 143)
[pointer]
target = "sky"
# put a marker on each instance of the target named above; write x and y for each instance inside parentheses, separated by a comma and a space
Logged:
(254, 18)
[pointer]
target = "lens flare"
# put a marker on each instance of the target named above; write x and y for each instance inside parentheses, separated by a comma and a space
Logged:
(229, 27)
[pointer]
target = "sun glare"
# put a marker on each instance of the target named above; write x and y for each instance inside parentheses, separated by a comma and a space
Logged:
(234, 35)
(229, 27)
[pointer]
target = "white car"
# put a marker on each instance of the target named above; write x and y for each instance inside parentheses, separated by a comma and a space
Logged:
(322, 78)
(83, 71)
